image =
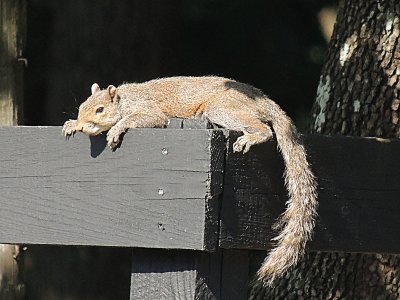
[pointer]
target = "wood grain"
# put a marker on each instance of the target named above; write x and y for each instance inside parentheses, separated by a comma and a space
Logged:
(175, 274)
(162, 189)
(183, 274)
(359, 184)
(152, 192)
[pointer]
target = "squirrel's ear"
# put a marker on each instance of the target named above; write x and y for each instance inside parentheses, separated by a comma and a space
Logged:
(95, 88)
(112, 91)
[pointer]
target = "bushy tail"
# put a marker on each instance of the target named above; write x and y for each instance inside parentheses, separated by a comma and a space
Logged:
(297, 222)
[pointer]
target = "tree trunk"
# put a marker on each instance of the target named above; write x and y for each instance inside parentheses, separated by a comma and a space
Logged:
(359, 95)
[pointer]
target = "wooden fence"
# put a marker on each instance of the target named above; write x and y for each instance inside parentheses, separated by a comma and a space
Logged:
(189, 208)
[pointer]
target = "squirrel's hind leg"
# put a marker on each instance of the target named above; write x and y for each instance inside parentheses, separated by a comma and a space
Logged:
(238, 118)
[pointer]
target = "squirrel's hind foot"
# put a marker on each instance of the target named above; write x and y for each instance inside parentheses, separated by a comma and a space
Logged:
(246, 141)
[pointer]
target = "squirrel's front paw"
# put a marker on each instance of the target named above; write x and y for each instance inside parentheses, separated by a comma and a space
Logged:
(113, 137)
(69, 128)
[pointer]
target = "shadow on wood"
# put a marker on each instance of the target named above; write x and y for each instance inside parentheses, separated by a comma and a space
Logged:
(98, 144)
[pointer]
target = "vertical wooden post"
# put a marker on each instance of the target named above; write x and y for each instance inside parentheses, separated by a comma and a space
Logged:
(186, 274)
(12, 63)
(175, 274)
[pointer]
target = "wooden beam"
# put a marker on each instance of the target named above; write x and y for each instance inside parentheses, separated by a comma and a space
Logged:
(12, 44)
(359, 184)
(156, 191)
(161, 189)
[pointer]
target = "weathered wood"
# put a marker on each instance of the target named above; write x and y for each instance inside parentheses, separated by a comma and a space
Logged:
(359, 184)
(160, 189)
(12, 44)
(191, 274)
(253, 196)
(152, 192)
(213, 202)
(174, 274)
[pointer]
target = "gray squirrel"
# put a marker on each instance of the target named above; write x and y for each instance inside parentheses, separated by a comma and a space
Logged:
(230, 104)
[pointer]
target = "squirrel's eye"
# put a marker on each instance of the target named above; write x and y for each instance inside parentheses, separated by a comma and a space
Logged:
(99, 110)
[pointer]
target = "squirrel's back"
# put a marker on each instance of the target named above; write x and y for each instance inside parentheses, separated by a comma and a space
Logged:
(182, 96)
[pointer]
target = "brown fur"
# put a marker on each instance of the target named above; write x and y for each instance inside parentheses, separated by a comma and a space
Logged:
(228, 103)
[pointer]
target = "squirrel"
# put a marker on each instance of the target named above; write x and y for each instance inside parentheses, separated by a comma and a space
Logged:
(232, 105)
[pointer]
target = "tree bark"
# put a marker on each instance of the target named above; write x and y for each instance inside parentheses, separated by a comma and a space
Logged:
(358, 95)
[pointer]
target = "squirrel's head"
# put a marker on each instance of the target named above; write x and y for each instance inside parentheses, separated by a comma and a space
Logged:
(100, 111)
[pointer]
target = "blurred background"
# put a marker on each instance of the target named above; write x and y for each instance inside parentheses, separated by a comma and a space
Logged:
(277, 46)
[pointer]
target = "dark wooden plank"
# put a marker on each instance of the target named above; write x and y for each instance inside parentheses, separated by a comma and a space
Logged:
(160, 189)
(253, 196)
(152, 192)
(359, 193)
(175, 274)
(359, 184)
(213, 198)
